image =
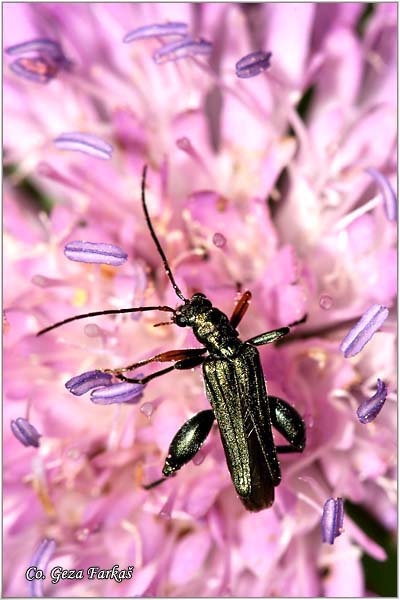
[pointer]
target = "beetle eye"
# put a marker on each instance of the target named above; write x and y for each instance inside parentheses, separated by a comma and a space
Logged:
(179, 320)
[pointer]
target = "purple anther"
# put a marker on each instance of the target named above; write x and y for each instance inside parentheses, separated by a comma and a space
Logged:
(25, 433)
(388, 193)
(42, 46)
(41, 59)
(252, 64)
(182, 49)
(117, 393)
(36, 69)
(156, 30)
(89, 252)
(90, 380)
(39, 561)
(370, 408)
(332, 520)
(363, 331)
(84, 142)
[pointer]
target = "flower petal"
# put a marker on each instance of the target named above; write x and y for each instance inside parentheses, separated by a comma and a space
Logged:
(90, 252)
(363, 331)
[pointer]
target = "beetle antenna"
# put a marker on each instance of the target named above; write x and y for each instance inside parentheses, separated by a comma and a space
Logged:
(164, 323)
(114, 311)
(157, 243)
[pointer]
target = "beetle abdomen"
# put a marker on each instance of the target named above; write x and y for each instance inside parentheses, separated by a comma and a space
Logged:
(237, 393)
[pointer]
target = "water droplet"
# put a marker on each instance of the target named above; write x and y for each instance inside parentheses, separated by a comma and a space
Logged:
(73, 453)
(82, 534)
(166, 510)
(147, 409)
(309, 420)
(325, 301)
(219, 240)
(183, 143)
(92, 330)
(39, 280)
(199, 457)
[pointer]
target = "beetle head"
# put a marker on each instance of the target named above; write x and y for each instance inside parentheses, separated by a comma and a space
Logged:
(186, 314)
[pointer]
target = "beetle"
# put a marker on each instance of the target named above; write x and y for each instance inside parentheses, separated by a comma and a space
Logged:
(235, 388)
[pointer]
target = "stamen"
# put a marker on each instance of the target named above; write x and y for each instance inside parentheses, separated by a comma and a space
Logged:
(40, 560)
(43, 61)
(332, 520)
(363, 331)
(25, 433)
(42, 45)
(90, 380)
(90, 252)
(40, 486)
(88, 143)
(388, 193)
(182, 49)
(357, 212)
(156, 30)
(117, 393)
(253, 64)
(370, 408)
(34, 69)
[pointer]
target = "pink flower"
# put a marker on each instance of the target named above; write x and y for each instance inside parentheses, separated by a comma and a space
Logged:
(260, 181)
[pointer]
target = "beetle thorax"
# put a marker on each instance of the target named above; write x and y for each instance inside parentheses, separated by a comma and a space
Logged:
(210, 326)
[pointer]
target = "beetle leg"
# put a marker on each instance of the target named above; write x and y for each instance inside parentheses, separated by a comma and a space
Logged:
(271, 336)
(299, 321)
(289, 423)
(188, 441)
(240, 309)
(185, 444)
(268, 337)
(170, 355)
(154, 484)
(187, 363)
